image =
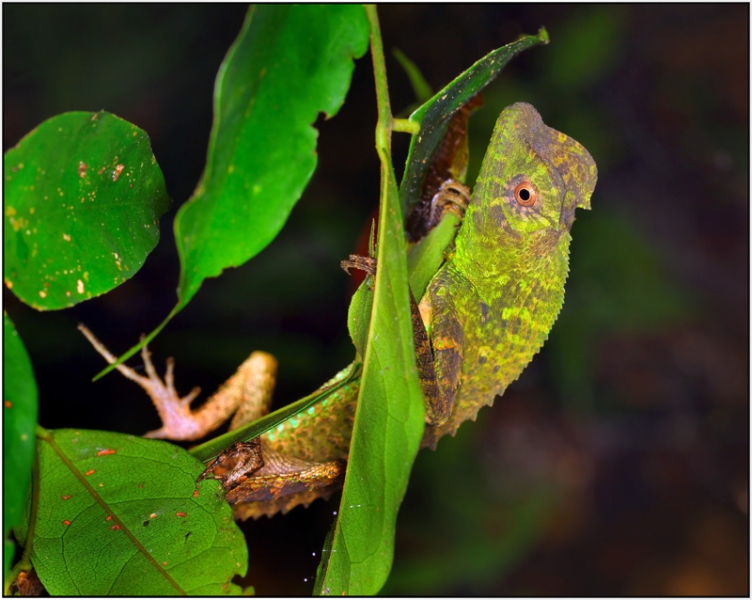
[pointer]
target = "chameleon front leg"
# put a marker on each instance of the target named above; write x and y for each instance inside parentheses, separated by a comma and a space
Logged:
(248, 392)
(438, 389)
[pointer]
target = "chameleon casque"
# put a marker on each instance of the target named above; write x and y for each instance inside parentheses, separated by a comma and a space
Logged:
(487, 312)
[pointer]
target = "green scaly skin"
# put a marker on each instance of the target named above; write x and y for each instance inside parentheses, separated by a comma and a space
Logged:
(495, 300)
(488, 309)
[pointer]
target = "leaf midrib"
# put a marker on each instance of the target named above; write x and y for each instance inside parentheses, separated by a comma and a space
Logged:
(49, 439)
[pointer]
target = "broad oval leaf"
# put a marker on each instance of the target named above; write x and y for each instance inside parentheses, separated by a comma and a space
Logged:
(19, 422)
(288, 64)
(83, 197)
(122, 515)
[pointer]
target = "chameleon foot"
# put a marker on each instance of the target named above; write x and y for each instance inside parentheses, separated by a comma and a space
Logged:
(175, 412)
(453, 197)
(362, 263)
(233, 466)
(283, 483)
(250, 388)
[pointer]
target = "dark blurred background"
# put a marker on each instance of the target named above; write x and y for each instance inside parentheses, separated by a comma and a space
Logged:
(619, 463)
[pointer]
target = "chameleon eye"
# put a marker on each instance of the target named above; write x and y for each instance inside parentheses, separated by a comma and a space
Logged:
(525, 194)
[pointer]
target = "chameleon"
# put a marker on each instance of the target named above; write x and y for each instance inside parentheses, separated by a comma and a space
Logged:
(486, 312)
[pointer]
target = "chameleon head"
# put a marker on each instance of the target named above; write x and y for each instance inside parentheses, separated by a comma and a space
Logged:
(532, 179)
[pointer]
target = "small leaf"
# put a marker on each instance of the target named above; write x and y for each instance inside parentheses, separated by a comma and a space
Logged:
(19, 423)
(359, 317)
(121, 515)
(289, 64)
(420, 86)
(425, 257)
(83, 197)
(434, 115)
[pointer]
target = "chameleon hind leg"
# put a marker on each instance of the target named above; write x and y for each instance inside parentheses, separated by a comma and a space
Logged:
(259, 479)
(247, 394)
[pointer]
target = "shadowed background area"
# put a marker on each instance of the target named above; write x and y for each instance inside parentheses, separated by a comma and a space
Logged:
(618, 463)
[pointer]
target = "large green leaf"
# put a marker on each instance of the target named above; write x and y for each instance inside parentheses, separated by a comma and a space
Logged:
(389, 418)
(288, 64)
(121, 515)
(19, 422)
(83, 197)
(388, 427)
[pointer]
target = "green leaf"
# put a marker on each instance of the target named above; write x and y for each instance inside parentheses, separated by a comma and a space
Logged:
(359, 316)
(288, 64)
(19, 423)
(420, 86)
(425, 257)
(121, 515)
(83, 197)
(387, 432)
(434, 115)
(388, 427)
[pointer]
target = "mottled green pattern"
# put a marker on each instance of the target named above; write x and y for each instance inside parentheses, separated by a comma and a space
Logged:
(493, 303)
(321, 432)
(488, 309)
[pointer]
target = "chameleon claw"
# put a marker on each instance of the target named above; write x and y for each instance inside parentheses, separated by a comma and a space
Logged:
(148, 365)
(170, 374)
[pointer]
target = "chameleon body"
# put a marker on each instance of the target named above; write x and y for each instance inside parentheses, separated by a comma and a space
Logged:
(490, 308)
(487, 312)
